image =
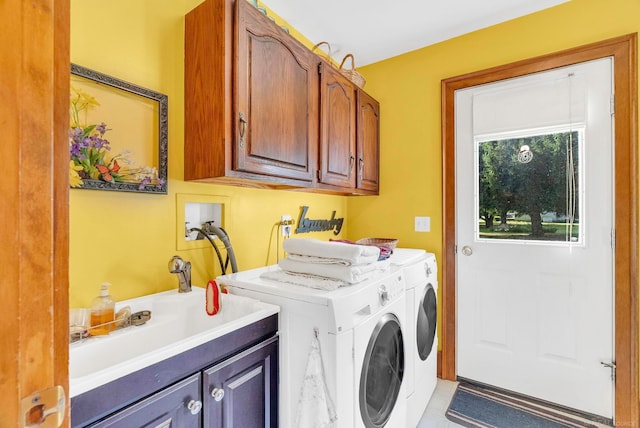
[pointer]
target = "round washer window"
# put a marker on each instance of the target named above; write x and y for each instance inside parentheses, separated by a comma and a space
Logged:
(382, 372)
(426, 324)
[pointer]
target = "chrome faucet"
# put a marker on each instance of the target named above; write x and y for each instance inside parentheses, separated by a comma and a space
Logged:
(183, 270)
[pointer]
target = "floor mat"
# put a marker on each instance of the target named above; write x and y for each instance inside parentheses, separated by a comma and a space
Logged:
(477, 407)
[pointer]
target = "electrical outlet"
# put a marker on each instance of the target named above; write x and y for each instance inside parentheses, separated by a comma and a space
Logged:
(286, 223)
(422, 224)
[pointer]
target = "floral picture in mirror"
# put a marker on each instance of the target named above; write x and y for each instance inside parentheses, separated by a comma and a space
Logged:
(118, 134)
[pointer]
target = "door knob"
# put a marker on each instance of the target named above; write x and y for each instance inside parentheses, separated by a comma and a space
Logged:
(467, 250)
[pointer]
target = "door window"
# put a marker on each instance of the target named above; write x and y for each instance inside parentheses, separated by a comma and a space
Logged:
(528, 187)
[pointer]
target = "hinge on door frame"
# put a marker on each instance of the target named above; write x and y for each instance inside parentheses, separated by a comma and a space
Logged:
(612, 105)
(613, 239)
(611, 365)
(319, 68)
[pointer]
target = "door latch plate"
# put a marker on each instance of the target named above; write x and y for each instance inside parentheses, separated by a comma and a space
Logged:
(43, 409)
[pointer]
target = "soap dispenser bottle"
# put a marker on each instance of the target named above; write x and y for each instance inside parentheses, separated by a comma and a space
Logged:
(102, 312)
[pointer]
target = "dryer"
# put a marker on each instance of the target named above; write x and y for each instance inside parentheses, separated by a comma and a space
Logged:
(362, 341)
(421, 280)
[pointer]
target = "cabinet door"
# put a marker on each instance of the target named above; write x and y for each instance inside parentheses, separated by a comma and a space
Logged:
(276, 114)
(337, 128)
(243, 391)
(368, 125)
(177, 406)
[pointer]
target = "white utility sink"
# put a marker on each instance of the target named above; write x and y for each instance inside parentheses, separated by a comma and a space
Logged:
(178, 323)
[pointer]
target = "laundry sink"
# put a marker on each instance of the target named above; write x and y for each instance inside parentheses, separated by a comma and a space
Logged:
(178, 323)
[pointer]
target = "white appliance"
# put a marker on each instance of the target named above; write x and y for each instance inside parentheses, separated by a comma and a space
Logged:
(360, 330)
(421, 280)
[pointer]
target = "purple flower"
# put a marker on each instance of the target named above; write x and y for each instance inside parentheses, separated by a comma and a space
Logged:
(76, 133)
(144, 182)
(102, 128)
(75, 151)
(99, 143)
(77, 143)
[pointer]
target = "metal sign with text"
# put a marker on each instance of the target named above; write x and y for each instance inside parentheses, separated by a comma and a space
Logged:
(306, 225)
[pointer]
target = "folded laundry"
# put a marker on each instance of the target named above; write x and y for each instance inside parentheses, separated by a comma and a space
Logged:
(350, 274)
(353, 254)
(322, 260)
(306, 280)
(385, 251)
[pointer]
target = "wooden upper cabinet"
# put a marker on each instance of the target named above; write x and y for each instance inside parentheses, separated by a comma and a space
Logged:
(368, 157)
(262, 110)
(251, 99)
(277, 100)
(337, 128)
(208, 88)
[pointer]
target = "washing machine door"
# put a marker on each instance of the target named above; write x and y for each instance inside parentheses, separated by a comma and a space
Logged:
(382, 372)
(426, 322)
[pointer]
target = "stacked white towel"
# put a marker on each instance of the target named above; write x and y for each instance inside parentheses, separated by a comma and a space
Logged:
(327, 265)
(349, 274)
(331, 252)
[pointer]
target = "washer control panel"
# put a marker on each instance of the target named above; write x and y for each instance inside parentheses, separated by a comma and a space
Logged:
(391, 289)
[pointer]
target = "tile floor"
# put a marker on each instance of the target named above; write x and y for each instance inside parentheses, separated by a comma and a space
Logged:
(433, 416)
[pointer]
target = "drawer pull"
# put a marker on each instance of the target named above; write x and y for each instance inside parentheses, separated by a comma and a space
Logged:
(243, 128)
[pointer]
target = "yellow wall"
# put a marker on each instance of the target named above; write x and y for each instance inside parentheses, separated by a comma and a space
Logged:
(128, 239)
(408, 88)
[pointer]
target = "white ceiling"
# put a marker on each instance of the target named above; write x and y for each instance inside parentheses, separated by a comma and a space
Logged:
(374, 30)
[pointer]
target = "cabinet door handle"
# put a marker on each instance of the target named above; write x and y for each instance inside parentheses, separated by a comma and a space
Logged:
(217, 394)
(194, 406)
(352, 159)
(360, 164)
(243, 128)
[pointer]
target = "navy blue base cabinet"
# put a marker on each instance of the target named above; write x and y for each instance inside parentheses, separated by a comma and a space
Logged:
(243, 391)
(230, 382)
(175, 406)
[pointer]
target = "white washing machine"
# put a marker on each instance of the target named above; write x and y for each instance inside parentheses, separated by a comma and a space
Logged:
(360, 329)
(421, 280)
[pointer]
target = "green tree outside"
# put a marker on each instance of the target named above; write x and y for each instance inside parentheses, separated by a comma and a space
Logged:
(541, 185)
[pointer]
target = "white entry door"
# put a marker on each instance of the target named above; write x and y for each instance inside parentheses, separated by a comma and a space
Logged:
(534, 210)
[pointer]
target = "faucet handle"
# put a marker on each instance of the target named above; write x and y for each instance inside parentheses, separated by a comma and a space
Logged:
(176, 264)
(183, 270)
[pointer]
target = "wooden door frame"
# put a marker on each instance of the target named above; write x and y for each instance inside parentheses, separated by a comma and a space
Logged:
(623, 50)
(34, 190)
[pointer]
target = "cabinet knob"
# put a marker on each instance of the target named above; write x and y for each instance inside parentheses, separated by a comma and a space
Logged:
(352, 160)
(217, 394)
(194, 406)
